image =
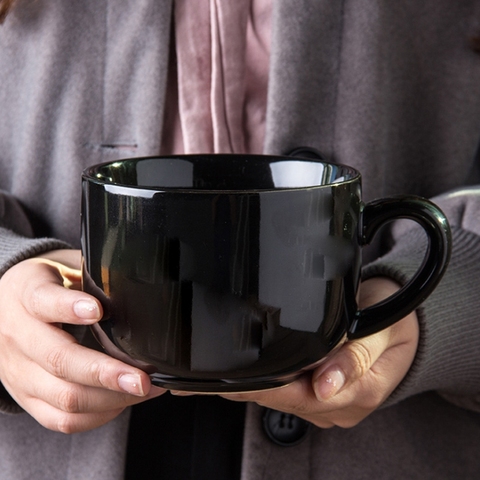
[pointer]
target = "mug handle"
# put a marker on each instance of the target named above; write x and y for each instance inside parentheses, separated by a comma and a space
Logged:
(375, 214)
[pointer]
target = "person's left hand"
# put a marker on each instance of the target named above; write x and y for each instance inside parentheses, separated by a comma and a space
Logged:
(357, 379)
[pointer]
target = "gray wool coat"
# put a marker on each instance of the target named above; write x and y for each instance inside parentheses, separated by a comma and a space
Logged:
(391, 88)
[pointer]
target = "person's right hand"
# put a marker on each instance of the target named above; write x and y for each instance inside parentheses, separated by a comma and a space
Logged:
(66, 387)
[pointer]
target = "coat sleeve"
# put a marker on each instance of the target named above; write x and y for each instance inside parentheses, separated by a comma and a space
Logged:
(448, 356)
(17, 240)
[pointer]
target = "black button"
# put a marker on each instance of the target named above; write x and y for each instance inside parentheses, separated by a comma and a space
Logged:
(284, 429)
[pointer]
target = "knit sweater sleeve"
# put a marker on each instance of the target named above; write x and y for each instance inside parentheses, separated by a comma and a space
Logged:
(16, 244)
(17, 240)
(448, 355)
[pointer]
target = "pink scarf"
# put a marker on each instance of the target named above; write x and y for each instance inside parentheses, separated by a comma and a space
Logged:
(217, 99)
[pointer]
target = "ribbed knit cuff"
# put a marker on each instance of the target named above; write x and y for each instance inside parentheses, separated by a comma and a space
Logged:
(447, 354)
(15, 248)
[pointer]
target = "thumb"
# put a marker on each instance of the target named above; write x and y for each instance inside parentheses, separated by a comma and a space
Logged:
(349, 364)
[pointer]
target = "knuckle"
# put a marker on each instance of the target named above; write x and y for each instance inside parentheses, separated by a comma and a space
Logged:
(41, 301)
(8, 340)
(66, 424)
(56, 362)
(35, 294)
(361, 359)
(98, 373)
(69, 399)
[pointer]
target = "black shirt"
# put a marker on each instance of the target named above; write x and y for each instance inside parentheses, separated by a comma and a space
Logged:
(185, 438)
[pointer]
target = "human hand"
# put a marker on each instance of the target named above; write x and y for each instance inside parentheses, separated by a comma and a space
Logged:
(357, 379)
(66, 387)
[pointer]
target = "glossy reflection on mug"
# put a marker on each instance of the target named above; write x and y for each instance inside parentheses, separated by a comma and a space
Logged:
(225, 272)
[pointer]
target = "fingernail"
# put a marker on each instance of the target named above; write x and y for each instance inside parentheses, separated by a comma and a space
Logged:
(329, 383)
(131, 383)
(86, 309)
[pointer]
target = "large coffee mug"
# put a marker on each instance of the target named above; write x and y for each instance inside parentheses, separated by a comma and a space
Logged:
(223, 273)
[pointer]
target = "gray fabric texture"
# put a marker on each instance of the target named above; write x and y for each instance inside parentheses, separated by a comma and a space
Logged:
(391, 88)
(29, 451)
(413, 440)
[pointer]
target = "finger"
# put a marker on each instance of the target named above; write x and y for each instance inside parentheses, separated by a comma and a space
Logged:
(68, 423)
(374, 355)
(78, 364)
(350, 363)
(296, 398)
(45, 297)
(75, 398)
(58, 353)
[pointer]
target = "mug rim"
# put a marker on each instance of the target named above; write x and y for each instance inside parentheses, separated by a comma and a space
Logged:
(92, 174)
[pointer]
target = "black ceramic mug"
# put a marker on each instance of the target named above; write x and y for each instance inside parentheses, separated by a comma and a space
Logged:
(222, 273)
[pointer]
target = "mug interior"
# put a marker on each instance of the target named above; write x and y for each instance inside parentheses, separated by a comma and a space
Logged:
(221, 172)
